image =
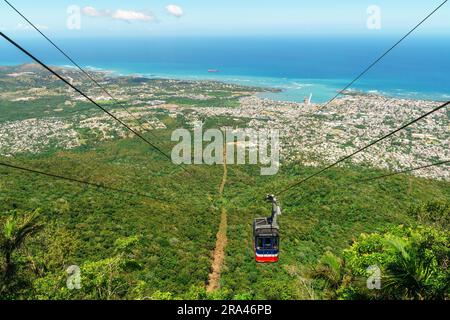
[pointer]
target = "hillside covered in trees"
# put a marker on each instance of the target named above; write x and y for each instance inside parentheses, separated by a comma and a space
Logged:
(160, 246)
(154, 237)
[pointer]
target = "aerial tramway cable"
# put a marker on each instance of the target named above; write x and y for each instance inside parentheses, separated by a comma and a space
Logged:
(440, 163)
(78, 66)
(159, 150)
(87, 97)
(92, 184)
(366, 147)
(383, 55)
(356, 79)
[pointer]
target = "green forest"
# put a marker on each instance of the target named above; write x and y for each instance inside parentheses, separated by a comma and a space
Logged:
(154, 236)
(159, 246)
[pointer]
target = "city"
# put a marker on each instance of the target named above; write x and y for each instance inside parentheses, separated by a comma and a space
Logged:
(309, 133)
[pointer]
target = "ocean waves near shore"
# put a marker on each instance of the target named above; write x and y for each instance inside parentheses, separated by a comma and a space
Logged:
(296, 66)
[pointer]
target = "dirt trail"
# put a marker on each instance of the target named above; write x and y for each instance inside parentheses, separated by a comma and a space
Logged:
(221, 240)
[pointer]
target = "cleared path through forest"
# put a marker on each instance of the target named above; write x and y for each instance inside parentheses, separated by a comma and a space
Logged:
(221, 239)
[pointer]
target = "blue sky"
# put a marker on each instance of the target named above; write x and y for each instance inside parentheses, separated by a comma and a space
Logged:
(226, 17)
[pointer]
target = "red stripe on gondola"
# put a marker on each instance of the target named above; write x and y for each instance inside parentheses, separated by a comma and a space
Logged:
(266, 259)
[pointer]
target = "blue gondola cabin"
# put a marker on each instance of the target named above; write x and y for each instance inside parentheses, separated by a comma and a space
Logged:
(266, 240)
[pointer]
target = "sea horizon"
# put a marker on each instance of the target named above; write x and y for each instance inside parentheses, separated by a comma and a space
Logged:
(297, 67)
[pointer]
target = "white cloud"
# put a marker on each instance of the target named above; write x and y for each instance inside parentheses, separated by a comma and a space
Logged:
(129, 15)
(92, 12)
(174, 10)
(126, 15)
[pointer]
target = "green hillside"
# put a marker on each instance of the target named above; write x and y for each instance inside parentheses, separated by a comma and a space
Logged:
(157, 238)
(159, 247)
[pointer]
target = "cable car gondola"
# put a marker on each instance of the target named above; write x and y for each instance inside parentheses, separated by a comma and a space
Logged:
(266, 235)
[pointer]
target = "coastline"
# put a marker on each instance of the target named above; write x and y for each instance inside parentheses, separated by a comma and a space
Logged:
(278, 89)
(310, 135)
(291, 89)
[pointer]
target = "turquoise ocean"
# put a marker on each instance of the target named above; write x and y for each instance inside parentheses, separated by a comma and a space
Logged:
(298, 66)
